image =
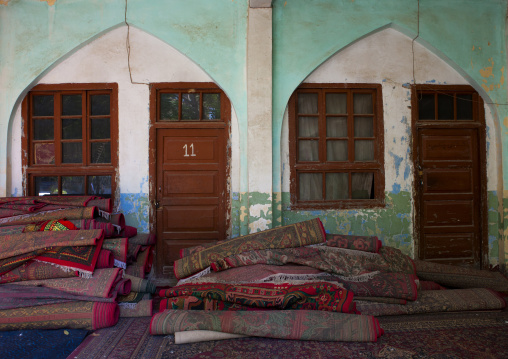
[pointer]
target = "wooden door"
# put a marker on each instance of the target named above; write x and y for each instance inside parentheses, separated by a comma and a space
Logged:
(191, 190)
(449, 195)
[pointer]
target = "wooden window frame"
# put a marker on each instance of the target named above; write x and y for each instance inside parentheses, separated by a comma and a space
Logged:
(59, 169)
(376, 166)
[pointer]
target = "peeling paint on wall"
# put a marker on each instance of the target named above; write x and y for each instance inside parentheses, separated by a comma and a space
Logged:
(136, 209)
(488, 72)
(50, 2)
(4, 2)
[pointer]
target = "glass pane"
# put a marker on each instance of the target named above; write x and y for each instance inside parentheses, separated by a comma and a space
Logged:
(465, 107)
(43, 105)
(190, 107)
(362, 103)
(308, 127)
(101, 152)
(311, 186)
(72, 129)
(336, 103)
(73, 185)
(445, 107)
(308, 150)
(211, 106)
(337, 186)
(44, 153)
(100, 128)
(169, 106)
(336, 150)
(99, 185)
(71, 105)
(426, 107)
(46, 185)
(308, 103)
(72, 152)
(336, 127)
(364, 127)
(100, 105)
(43, 129)
(362, 185)
(364, 150)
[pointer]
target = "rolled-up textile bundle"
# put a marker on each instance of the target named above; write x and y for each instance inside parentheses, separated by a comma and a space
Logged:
(293, 235)
(143, 308)
(123, 287)
(73, 315)
(129, 231)
(140, 284)
(104, 204)
(281, 324)
(33, 270)
(359, 243)
(119, 247)
(68, 213)
(196, 336)
(144, 239)
(105, 260)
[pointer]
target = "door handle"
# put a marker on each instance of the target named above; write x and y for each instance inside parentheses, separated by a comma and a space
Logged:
(157, 204)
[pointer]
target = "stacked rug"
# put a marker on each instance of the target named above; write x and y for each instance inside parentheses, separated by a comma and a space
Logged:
(63, 261)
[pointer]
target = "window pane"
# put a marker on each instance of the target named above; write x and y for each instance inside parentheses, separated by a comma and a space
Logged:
(336, 103)
(100, 105)
(101, 152)
(445, 107)
(100, 128)
(99, 185)
(362, 185)
(71, 105)
(308, 150)
(73, 185)
(43, 105)
(364, 127)
(44, 153)
(169, 106)
(308, 103)
(308, 127)
(336, 150)
(72, 152)
(71, 129)
(43, 129)
(426, 107)
(364, 150)
(336, 127)
(211, 106)
(311, 186)
(190, 107)
(46, 185)
(337, 186)
(465, 107)
(362, 103)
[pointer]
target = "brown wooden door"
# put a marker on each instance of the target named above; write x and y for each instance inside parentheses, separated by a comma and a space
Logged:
(191, 190)
(449, 195)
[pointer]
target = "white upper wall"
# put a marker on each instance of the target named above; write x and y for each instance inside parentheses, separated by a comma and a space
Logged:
(105, 60)
(386, 58)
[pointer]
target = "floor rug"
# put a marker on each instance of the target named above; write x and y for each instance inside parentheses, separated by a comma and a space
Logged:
(40, 344)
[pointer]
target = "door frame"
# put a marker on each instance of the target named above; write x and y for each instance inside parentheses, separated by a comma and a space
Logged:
(479, 125)
(152, 154)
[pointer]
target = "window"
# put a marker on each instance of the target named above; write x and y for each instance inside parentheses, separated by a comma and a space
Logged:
(447, 103)
(71, 139)
(336, 146)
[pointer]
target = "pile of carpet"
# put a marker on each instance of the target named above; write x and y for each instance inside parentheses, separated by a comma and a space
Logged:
(68, 262)
(297, 282)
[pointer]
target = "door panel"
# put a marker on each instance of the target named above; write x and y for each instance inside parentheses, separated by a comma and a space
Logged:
(191, 190)
(449, 195)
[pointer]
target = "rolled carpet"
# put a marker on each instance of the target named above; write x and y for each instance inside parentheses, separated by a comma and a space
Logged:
(143, 308)
(196, 336)
(73, 315)
(282, 324)
(293, 235)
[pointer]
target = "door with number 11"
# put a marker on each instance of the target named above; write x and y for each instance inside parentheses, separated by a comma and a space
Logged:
(191, 190)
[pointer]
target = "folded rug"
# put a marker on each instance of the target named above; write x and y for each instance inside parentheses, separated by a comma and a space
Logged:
(101, 284)
(73, 315)
(108, 228)
(434, 301)
(359, 243)
(105, 259)
(282, 324)
(460, 277)
(293, 235)
(32, 270)
(310, 296)
(118, 246)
